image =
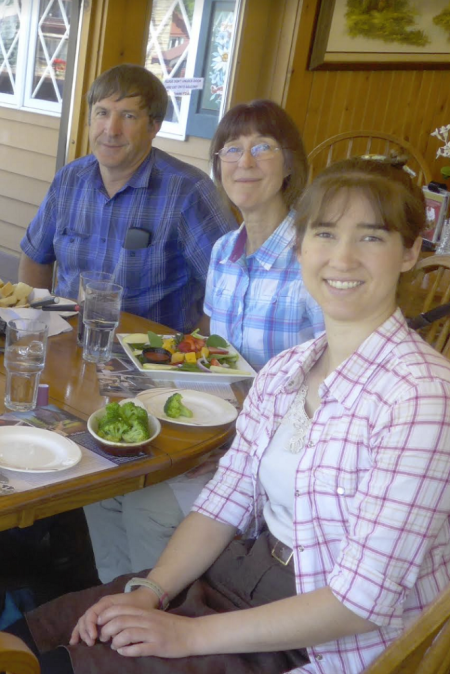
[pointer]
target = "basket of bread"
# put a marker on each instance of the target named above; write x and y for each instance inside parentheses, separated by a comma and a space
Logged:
(14, 294)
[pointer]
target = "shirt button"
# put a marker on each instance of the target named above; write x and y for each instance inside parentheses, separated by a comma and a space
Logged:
(319, 657)
(340, 490)
(300, 548)
(297, 492)
(310, 443)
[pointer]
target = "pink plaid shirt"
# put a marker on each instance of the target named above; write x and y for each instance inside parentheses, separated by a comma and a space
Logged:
(372, 487)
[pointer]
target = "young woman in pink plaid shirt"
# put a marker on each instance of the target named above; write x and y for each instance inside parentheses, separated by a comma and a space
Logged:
(338, 479)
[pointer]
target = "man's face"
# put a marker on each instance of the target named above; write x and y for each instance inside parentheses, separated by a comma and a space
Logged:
(121, 133)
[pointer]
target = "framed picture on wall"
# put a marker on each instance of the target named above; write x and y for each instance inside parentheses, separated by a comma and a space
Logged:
(437, 208)
(381, 34)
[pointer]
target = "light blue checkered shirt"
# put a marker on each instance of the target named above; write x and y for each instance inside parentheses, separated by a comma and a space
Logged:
(82, 228)
(259, 303)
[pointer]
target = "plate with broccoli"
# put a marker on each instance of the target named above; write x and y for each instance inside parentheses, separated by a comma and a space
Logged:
(188, 407)
(123, 427)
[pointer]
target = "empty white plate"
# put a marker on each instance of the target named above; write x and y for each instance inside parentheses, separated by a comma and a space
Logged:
(34, 450)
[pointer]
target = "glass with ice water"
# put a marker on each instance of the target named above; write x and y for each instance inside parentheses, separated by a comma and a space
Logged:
(25, 350)
(101, 317)
(85, 278)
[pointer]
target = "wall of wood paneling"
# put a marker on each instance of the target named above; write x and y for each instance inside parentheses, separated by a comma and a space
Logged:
(28, 144)
(407, 103)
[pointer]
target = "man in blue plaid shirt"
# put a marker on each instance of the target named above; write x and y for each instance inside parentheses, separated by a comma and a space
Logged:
(89, 217)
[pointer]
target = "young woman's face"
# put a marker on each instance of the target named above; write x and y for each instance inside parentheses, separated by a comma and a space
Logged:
(253, 184)
(351, 263)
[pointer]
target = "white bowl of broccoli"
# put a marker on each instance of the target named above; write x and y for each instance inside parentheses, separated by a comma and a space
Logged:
(123, 428)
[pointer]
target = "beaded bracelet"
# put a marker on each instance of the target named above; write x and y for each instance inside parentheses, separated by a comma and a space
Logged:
(162, 595)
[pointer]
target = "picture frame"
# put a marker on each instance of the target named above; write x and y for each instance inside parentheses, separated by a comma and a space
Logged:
(437, 207)
(347, 37)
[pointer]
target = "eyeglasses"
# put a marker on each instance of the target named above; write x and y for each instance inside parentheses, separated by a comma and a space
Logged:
(260, 152)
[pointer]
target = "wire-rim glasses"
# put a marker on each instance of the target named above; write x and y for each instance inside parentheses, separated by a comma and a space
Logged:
(259, 152)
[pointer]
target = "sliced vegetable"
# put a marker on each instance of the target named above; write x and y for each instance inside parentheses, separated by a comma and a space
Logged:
(216, 340)
(203, 364)
(136, 337)
(153, 339)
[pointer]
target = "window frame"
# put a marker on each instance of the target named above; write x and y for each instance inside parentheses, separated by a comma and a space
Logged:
(26, 53)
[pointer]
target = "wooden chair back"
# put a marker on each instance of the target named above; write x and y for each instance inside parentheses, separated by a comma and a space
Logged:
(424, 648)
(16, 657)
(356, 143)
(428, 286)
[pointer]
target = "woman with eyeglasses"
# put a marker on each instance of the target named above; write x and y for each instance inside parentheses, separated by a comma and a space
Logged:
(255, 295)
(255, 298)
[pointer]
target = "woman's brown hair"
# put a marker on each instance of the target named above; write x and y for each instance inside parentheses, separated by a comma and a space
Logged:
(387, 186)
(267, 119)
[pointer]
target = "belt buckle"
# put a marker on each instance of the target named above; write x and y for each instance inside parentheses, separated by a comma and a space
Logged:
(274, 554)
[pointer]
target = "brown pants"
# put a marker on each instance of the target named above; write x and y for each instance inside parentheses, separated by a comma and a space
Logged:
(244, 576)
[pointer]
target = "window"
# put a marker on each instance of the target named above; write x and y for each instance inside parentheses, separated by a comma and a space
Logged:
(192, 38)
(33, 53)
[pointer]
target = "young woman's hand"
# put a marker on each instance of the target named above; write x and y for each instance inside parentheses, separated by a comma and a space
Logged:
(86, 629)
(136, 632)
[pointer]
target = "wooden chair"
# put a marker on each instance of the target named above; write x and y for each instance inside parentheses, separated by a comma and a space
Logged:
(424, 648)
(356, 143)
(16, 657)
(425, 287)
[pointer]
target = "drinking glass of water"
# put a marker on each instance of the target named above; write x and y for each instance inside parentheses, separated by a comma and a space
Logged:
(101, 318)
(25, 350)
(85, 278)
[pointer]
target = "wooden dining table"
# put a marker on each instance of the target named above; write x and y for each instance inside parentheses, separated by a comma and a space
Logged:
(73, 386)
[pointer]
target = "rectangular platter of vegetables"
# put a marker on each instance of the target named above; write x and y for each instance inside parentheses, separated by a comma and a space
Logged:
(191, 357)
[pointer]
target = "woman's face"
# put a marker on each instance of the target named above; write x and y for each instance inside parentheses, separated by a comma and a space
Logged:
(351, 263)
(253, 185)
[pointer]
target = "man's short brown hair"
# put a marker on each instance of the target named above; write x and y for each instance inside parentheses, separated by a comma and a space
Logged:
(129, 80)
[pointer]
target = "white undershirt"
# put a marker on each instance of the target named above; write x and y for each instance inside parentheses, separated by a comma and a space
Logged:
(277, 477)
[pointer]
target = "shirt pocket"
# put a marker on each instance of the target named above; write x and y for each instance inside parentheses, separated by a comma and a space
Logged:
(75, 250)
(334, 490)
(158, 268)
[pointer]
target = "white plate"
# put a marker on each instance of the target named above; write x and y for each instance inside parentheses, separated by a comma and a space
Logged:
(165, 373)
(208, 410)
(34, 450)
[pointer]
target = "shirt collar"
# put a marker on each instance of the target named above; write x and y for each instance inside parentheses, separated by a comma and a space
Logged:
(348, 380)
(140, 178)
(282, 238)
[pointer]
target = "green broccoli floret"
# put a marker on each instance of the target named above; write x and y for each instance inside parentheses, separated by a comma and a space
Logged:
(130, 412)
(138, 432)
(174, 407)
(112, 430)
(112, 411)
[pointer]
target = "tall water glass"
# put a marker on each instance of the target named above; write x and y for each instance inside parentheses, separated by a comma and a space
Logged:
(25, 350)
(85, 278)
(101, 318)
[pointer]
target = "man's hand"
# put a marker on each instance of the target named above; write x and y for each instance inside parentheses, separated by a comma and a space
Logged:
(86, 628)
(136, 632)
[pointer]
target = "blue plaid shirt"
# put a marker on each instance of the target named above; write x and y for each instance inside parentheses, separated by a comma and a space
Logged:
(259, 303)
(82, 228)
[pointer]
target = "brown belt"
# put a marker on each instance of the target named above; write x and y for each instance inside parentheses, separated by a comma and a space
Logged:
(279, 551)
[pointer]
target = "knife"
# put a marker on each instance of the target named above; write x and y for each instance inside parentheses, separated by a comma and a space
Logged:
(427, 318)
(61, 307)
(49, 299)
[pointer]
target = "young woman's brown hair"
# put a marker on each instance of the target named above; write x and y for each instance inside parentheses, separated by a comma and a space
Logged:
(390, 190)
